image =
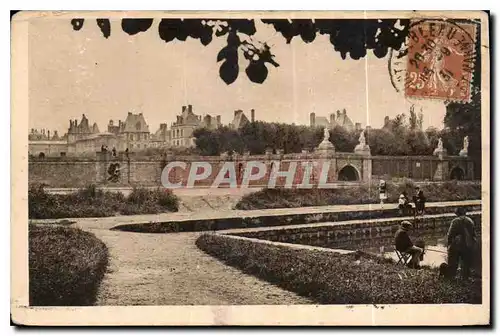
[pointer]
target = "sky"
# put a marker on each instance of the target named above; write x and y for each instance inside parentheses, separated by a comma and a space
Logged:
(80, 72)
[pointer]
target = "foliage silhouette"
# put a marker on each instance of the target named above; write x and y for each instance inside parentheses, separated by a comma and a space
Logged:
(351, 37)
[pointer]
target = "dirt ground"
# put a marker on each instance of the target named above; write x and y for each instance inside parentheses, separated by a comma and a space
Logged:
(168, 269)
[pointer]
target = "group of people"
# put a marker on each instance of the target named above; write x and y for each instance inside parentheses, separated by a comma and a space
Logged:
(460, 242)
(105, 149)
(405, 207)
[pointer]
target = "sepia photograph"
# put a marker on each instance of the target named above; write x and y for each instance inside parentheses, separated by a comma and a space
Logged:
(251, 168)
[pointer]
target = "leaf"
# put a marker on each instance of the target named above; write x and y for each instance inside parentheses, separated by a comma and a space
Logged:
(244, 26)
(167, 29)
(105, 27)
(134, 26)
(206, 38)
(197, 30)
(222, 55)
(77, 24)
(229, 71)
(380, 51)
(257, 72)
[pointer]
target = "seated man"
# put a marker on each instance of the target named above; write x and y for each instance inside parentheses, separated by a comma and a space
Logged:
(404, 204)
(404, 244)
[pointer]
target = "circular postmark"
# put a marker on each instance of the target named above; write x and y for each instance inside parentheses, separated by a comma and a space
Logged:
(437, 61)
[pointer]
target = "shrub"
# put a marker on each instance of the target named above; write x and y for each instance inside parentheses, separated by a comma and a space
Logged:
(361, 194)
(92, 202)
(66, 266)
(331, 278)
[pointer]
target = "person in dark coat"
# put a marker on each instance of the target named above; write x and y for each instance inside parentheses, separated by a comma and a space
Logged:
(404, 244)
(461, 240)
(419, 200)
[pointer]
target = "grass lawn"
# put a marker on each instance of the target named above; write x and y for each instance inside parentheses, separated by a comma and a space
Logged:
(331, 278)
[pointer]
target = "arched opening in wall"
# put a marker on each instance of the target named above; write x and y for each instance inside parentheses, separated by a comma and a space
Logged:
(348, 173)
(41, 155)
(457, 173)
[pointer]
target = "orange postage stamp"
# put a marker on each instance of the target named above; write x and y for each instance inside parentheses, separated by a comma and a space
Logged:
(441, 60)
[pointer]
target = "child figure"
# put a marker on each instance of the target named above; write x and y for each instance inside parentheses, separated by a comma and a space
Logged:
(382, 190)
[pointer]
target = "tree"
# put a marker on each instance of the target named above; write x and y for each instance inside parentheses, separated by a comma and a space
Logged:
(351, 37)
(464, 119)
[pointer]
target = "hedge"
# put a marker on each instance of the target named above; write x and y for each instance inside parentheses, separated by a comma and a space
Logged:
(331, 278)
(92, 202)
(66, 266)
(361, 194)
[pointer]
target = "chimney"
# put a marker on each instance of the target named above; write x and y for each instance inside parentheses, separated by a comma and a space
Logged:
(332, 119)
(386, 120)
(183, 108)
(140, 114)
(218, 120)
(190, 108)
(358, 126)
(338, 113)
(130, 113)
(312, 119)
(48, 134)
(111, 122)
(344, 112)
(252, 115)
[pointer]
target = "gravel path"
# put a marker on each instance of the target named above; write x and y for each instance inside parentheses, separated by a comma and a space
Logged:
(168, 269)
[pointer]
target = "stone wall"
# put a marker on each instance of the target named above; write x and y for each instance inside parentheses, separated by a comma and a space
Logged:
(359, 232)
(76, 172)
(64, 173)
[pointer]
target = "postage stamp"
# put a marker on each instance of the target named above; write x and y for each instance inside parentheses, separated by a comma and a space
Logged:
(250, 168)
(439, 60)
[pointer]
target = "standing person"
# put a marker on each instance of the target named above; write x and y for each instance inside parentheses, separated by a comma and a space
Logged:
(382, 191)
(419, 200)
(461, 240)
(404, 244)
(114, 151)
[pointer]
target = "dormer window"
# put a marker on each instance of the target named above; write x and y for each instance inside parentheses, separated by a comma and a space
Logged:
(138, 126)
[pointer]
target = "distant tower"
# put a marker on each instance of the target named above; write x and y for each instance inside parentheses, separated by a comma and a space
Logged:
(332, 119)
(252, 115)
(312, 119)
(386, 121)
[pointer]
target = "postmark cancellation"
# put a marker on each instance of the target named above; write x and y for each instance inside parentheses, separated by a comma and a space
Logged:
(438, 61)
